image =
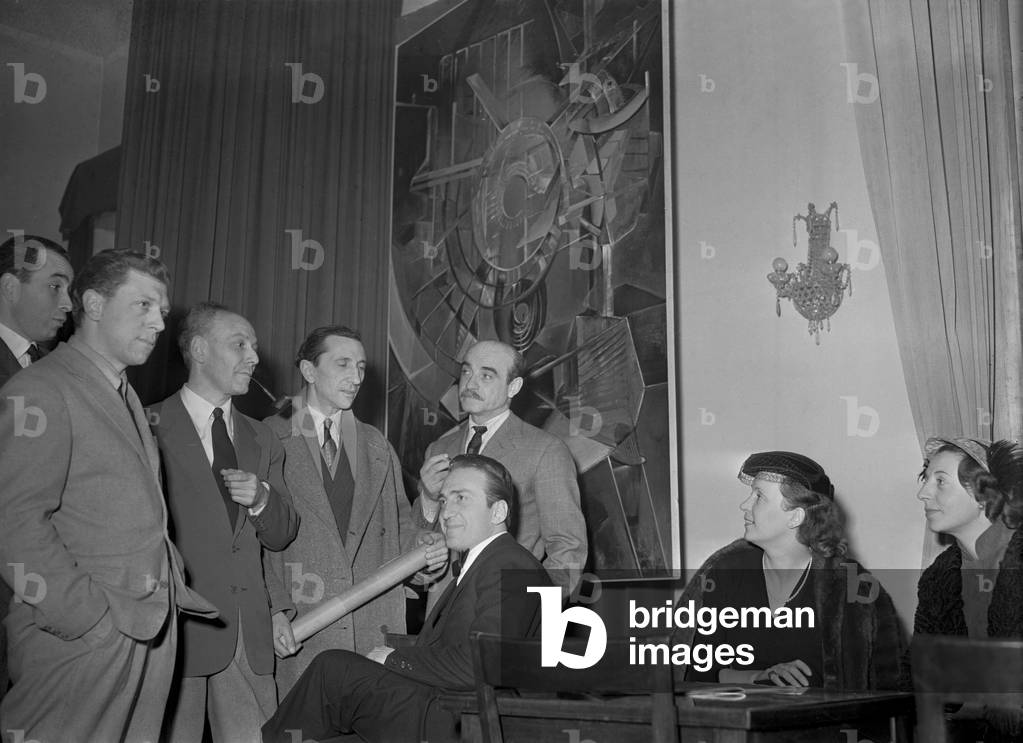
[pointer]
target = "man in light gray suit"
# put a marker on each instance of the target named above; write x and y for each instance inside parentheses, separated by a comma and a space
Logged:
(83, 536)
(550, 522)
(345, 481)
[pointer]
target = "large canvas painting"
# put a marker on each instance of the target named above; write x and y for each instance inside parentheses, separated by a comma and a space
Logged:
(529, 206)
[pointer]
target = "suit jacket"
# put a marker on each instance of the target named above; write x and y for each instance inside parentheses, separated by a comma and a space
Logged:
(491, 597)
(549, 522)
(318, 565)
(8, 364)
(84, 521)
(223, 560)
(395, 701)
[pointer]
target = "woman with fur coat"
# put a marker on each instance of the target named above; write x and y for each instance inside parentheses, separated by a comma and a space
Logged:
(794, 554)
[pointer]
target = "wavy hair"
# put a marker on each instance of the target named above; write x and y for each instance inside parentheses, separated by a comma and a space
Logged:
(823, 527)
(999, 487)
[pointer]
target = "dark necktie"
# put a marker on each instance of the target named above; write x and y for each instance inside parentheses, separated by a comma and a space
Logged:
(122, 390)
(329, 448)
(224, 458)
(34, 354)
(476, 442)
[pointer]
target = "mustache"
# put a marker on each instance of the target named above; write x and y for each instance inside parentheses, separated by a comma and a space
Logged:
(469, 393)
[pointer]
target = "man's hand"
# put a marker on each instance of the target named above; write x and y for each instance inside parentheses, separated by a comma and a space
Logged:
(284, 638)
(379, 653)
(245, 489)
(436, 554)
(432, 475)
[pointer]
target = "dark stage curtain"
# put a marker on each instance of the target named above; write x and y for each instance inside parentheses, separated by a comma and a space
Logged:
(256, 163)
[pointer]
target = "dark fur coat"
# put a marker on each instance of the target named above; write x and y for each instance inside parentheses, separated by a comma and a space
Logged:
(940, 595)
(862, 641)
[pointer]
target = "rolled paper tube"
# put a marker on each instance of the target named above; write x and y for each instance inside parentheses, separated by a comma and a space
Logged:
(387, 576)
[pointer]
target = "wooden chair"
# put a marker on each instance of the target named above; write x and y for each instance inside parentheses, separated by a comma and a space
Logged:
(957, 669)
(515, 664)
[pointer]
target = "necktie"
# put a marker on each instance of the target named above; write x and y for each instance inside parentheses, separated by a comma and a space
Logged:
(329, 448)
(34, 354)
(477, 440)
(224, 457)
(122, 390)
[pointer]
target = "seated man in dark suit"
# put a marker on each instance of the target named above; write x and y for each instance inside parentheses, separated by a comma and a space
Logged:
(386, 695)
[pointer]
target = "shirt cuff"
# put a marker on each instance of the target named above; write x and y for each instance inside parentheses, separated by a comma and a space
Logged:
(256, 511)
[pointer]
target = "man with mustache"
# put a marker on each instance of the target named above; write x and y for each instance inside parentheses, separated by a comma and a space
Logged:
(228, 503)
(347, 485)
(83, 537)
(550, 523)
(35, 274)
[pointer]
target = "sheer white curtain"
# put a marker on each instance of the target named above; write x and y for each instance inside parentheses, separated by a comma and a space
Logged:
(933, 87)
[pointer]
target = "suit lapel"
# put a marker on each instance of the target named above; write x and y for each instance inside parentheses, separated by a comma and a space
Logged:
(455, 442)
(179, 436)
(246, 448)
(9, 365)
(373, 463)
(504, 438)
(454, 590)
(110, 405)
(303, 446)
(430, 625)
(143, 433)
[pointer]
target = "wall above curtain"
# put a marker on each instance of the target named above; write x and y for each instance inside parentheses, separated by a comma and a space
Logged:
(255, 164)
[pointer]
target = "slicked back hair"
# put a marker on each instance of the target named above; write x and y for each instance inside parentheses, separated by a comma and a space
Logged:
(499, 484)
(313, 346)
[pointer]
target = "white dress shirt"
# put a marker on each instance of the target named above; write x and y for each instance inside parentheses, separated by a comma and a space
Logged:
(342, 429)
(200, 411)
(18, 344)
(492, 425)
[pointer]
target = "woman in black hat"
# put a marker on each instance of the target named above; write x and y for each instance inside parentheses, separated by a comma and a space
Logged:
(971, 490)
(793, 556)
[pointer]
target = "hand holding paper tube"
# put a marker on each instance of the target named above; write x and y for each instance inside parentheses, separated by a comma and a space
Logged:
(387, 576)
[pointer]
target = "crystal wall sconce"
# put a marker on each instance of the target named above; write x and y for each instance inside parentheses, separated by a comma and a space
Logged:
(816, 287)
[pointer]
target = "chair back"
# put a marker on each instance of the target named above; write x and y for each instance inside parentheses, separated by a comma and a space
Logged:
(957, 669)
(514, 663)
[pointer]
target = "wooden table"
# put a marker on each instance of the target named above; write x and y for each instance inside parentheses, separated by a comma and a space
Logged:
(814, 717)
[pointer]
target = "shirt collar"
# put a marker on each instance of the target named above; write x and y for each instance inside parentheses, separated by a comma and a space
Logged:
(492, 425)
(473, 553)
(318, 418)
(116, 378)
(200, 410)
(18, 343)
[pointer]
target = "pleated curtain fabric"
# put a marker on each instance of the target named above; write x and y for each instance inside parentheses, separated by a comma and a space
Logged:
(939, 136)
(256, 164)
